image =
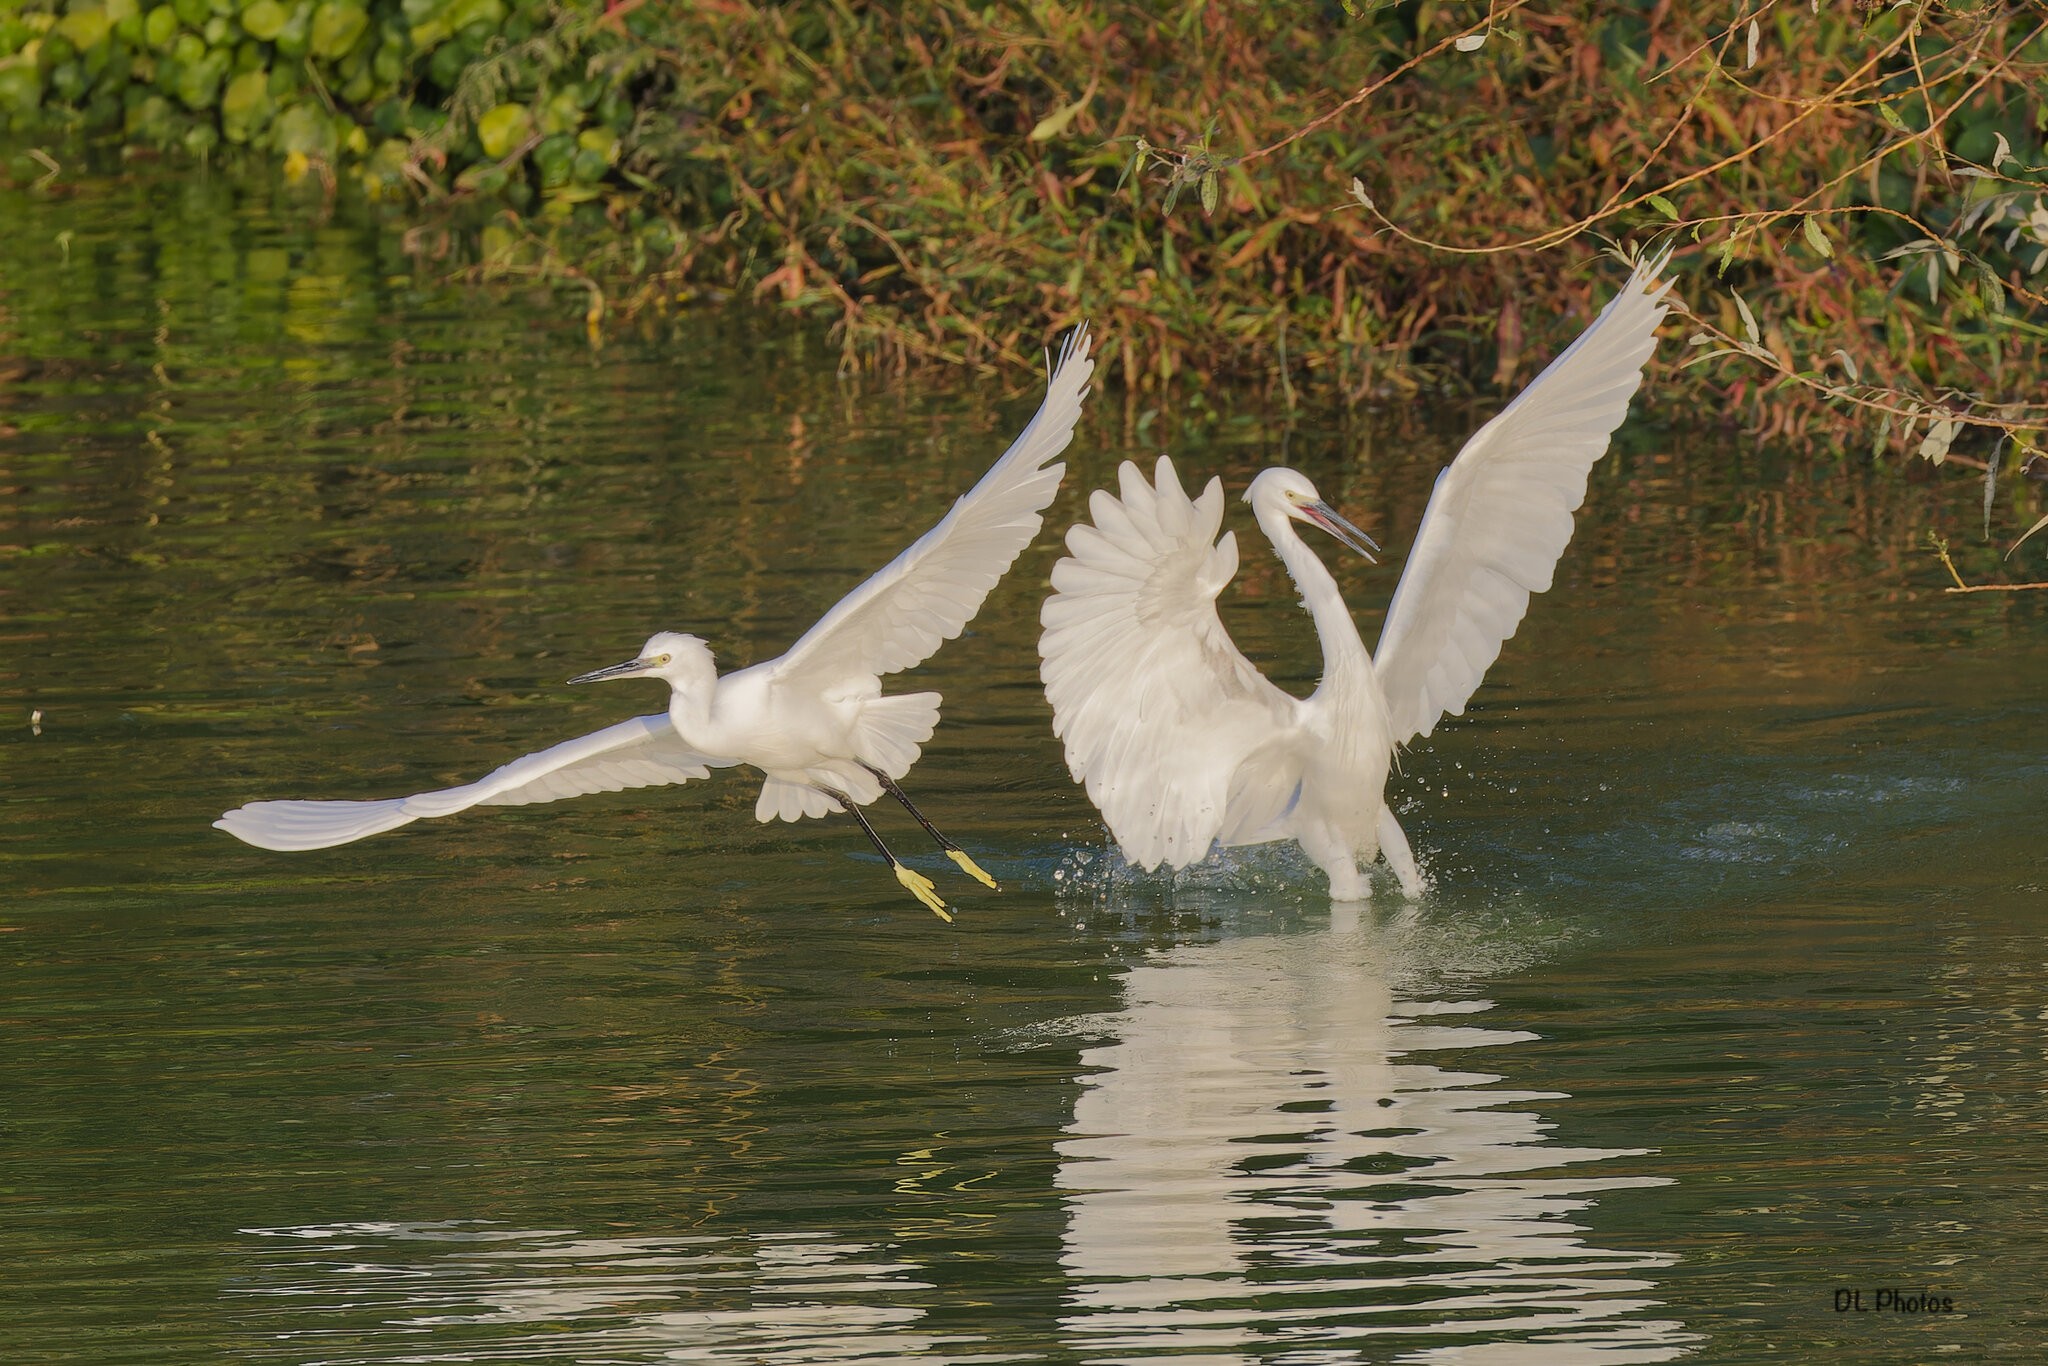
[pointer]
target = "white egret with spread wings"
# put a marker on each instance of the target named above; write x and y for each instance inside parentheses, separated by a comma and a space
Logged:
(813, 720)
(1180, 741)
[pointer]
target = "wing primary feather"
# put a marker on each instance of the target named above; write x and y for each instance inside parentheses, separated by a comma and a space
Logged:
(642, 752)
(893, 620)
(1501, 512)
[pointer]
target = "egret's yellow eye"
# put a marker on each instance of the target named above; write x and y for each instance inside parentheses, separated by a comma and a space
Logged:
(663, 659)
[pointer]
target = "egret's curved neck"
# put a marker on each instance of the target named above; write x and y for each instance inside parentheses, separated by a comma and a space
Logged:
(689, 708)
(1344, 654)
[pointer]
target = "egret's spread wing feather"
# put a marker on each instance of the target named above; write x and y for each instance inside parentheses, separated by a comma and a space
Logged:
(312, 825)
(642, 752)
(1502, 513)
(927, 595)
(1154, 702)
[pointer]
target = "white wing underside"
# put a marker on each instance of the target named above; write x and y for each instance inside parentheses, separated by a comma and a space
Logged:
(927, 595)
(1157, 707)
(642, 752)
(1502, 513)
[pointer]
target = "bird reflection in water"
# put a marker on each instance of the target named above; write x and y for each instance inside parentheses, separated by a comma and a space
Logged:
(1263, 1151)
(471, 1290)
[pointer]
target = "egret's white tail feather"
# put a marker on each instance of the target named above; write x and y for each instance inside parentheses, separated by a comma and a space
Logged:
(889, 736)
(893, 730)
(784, 800)
(793, 799)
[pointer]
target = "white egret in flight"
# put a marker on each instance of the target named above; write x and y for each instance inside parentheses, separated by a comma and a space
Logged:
(1183, 745)
(814, 720)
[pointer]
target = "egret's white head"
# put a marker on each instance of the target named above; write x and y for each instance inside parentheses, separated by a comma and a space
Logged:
(1280, 493)
(680, 661)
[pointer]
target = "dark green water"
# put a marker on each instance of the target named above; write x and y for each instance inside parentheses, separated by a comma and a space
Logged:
(1729, 996)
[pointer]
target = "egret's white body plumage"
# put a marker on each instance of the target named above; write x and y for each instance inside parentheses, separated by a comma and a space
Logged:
(1179, 740)
(814, 720)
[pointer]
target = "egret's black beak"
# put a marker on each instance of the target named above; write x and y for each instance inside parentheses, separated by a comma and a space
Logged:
(1326, 517)
(631, 668)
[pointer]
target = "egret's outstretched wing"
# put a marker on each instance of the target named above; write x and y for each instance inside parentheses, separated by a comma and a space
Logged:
(642, 752)
(1502, 513)
(1157, 706)
(927, 595)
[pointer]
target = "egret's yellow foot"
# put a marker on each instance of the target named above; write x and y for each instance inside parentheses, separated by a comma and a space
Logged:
(925, 890)
(972, 869)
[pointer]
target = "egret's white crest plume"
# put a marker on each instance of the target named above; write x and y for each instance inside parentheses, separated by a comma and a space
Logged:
(1183, 745)
(814, 720)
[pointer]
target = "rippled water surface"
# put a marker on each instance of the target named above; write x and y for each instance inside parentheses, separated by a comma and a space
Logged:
(1728, 1002)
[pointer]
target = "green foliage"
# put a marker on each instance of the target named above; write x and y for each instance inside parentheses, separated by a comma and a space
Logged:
(329, 85)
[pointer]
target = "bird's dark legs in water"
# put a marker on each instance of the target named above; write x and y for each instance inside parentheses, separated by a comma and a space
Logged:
(916, 883)
(953, 851)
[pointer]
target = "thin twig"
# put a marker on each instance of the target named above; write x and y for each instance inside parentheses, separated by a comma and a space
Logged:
(1995, 588)
(1371, 88)
(1616, 205)
(1941, 548)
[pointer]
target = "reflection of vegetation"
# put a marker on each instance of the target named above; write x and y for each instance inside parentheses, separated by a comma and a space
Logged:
(220, 377)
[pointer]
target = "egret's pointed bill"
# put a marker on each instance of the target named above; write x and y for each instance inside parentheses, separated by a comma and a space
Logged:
(1330, 520)
(632, 668)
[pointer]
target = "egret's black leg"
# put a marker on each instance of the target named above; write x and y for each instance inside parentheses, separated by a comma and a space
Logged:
(953, 851)
(914, 882)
